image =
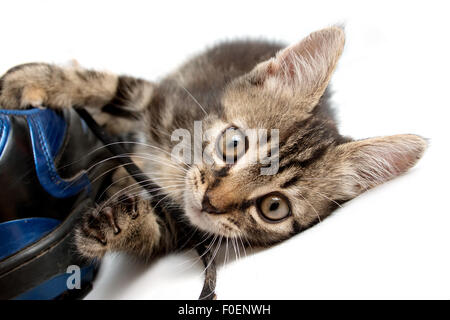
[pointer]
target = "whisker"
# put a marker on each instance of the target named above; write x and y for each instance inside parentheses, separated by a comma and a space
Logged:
(243, 246)
(136, 185)
(139, 156)
(322, 195)
(110, 144)
(215, 252)
(226, 252)
(317, 214)
(236, 249)
(147, 173)
(193, 98)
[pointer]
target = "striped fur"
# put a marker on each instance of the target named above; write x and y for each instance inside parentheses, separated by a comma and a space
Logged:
(248, 84)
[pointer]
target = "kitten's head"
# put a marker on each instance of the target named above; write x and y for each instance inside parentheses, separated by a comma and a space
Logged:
(317, 168)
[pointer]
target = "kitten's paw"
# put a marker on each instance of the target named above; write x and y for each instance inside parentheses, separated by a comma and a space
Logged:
(105, 228)
(25, 86)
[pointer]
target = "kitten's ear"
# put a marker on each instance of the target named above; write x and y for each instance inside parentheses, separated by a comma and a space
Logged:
(361, 165)
(303, 69)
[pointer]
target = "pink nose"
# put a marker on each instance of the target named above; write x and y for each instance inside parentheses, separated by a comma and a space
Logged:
(208, 207)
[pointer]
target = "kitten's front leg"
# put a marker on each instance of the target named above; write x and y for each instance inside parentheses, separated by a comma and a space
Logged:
(115, 102)
(127, 225)
(39, 84)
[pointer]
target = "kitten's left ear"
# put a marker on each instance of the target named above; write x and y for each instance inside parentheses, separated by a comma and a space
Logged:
(361, 165)
(305, 68)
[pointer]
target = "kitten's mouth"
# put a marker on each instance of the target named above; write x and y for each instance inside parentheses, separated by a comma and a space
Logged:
(203, 220)
(200, 216)
(200, 219)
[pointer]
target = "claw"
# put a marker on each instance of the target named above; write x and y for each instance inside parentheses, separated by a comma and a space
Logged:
(130, 204)
(127, 200)
(108, 212)
(134, 214)
(97, 234)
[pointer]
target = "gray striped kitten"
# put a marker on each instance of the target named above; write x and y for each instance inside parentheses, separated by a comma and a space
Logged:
(230, 88)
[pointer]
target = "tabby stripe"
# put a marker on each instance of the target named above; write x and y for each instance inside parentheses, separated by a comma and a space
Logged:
(156, 106)
(290, 182)
(303, 163)
(296, 227)
(122, 97)
(306, 139)
(223, 172)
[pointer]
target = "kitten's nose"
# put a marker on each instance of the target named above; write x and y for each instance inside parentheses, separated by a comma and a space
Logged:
(208, 207)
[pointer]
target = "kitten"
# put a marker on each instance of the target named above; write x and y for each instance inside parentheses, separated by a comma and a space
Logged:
(230, 88)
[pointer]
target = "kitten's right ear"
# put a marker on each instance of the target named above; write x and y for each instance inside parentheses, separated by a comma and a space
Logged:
(360, 165)
(303, 69)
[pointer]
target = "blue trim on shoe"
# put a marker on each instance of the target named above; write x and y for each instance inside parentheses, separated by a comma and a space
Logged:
(18, 234)
(4, 132)
(47, 131)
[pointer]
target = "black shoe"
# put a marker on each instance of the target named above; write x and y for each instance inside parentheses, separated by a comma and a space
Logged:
(44, 188)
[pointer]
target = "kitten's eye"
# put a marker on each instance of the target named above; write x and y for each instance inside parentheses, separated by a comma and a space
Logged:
(232, 144)
(274, 207)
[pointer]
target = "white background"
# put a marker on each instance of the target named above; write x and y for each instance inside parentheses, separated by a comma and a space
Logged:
(392, 242)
